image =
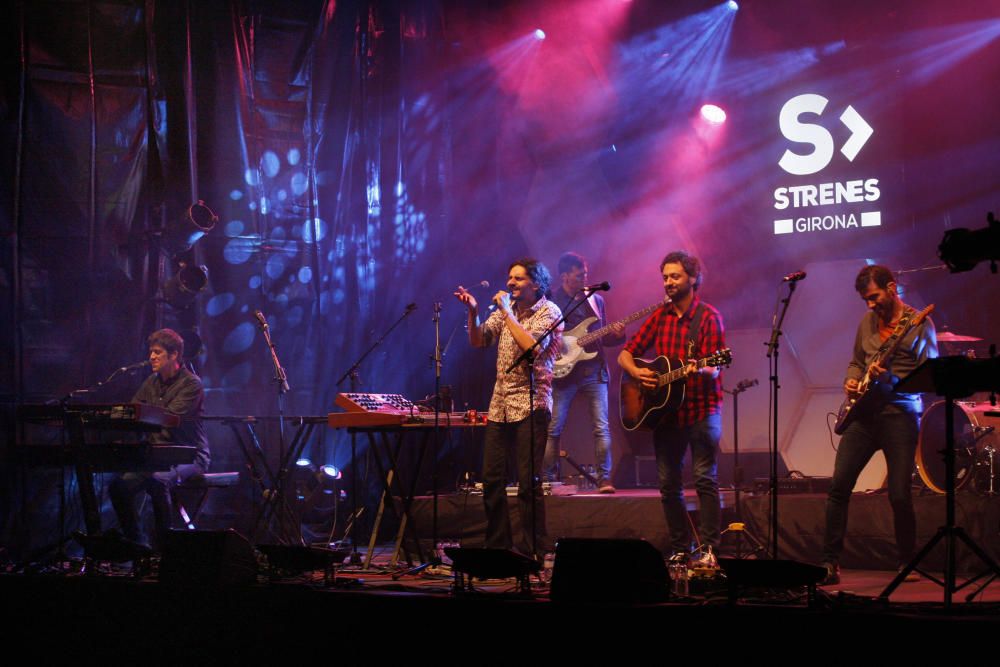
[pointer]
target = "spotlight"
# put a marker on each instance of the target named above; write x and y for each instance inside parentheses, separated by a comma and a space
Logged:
(331, 471)
(181, 234)
(713, 114)
(182, 289)
(961, 249)
(539, 34)
(733, 5)
(303, 462)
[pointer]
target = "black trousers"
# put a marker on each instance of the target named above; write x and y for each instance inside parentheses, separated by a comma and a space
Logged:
(501, 438)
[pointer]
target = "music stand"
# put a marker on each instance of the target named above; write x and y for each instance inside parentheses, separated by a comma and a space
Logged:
(953, 378)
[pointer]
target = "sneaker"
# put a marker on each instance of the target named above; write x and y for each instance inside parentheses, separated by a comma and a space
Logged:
(911, 576)
(832, 574)
(605, 486)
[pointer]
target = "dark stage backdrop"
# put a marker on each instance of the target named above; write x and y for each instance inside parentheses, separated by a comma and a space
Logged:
(363, 156)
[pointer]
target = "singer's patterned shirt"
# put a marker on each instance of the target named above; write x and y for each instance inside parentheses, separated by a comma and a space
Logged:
(510, 393)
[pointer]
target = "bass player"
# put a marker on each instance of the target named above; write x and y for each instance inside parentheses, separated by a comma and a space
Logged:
(588, 378)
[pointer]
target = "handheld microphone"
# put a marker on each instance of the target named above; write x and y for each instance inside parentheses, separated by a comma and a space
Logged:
(493, 306)
(794, 277)
(598, 287)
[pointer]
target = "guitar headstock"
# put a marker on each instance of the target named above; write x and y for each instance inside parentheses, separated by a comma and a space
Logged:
(722, 357)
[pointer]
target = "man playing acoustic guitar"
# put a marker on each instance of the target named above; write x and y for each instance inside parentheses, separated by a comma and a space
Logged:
(892, 340)
(685, 329)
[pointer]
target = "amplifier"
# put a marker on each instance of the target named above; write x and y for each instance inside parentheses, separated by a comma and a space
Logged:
(793, 485)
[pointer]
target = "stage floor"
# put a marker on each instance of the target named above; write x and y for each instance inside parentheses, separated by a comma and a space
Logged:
(637, 514)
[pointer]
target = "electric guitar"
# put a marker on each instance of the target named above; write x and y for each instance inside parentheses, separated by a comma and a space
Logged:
(862, 400)
(577, 338)
(643, 407)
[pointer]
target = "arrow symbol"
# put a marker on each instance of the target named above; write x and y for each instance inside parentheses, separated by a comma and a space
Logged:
(861, 131)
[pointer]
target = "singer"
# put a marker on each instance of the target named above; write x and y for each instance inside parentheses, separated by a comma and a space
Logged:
(686, 329)
(522, 316)
(175, 388)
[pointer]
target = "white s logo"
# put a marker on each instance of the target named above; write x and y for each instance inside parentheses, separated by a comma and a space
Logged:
(817, 135)
(806, 133)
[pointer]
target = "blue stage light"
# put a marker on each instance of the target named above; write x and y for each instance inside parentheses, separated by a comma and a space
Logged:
(733, 5)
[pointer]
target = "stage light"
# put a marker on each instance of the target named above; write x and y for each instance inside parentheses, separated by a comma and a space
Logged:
(181, 234)
(331, 471)
(713, 114)
(303, 462)
(539, 34)
(185, 285)
(733, 5)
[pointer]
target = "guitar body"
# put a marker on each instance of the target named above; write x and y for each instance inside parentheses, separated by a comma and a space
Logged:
(643, 408)
(865, 400)
(852, 408)
(572, 353)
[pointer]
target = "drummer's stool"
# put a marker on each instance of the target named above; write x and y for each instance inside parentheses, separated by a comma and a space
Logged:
(199, 485)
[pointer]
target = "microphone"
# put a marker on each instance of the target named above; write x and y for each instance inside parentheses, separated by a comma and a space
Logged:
(485, 284)
(133, 367)
(794, 277)
(598, 287)
(261, 319)
(494, 305)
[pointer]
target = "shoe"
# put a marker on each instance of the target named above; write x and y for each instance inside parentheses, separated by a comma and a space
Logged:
(832, 574)
(605, 486)
(911, 577)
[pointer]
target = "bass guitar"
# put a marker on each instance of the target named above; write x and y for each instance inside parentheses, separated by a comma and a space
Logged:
(863, 400)
(577, 338)
(643, 407)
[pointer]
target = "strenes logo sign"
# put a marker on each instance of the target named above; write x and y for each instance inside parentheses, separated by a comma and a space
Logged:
(823, 206)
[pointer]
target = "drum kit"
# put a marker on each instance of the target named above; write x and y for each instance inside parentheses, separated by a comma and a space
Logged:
(977, 440)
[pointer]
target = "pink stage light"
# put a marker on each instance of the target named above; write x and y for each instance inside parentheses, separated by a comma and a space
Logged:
(713, 113)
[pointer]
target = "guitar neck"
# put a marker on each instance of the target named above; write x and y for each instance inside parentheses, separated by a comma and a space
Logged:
(910, 321)
(678, 373)
(598, 334)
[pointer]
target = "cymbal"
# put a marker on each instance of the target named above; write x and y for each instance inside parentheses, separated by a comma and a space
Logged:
(949, 337)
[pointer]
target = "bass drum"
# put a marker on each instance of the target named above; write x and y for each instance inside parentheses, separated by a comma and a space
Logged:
(975, 435)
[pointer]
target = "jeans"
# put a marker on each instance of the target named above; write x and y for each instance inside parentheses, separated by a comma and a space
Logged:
(500, 438)
(124, 489)
(895, 433)
(563, 393)
(670, 442)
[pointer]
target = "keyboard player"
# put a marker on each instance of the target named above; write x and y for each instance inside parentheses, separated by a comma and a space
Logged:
(176, 389)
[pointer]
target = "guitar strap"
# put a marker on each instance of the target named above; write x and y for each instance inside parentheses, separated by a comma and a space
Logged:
(693, 331)
(903, 327)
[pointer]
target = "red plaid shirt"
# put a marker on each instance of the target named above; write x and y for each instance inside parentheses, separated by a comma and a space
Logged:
(667, 334)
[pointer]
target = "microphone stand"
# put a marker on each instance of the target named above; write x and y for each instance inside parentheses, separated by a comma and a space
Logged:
(772, 354)
(528, 356)
(742, 533)
(277, 499)
(352, 372)
(434, 560)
